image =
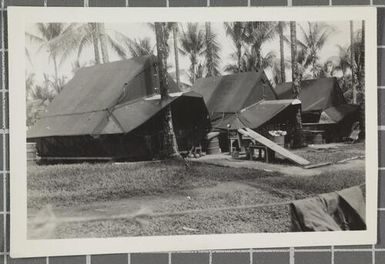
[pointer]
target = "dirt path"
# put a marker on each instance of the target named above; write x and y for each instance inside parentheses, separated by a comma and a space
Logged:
(226, 160)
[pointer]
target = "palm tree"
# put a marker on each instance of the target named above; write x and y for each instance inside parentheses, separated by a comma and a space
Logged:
(81, 36)
(357, 61)
(175, 30)
(296, 83)
(350, 63)
(192, 43)
(256, 34)
(139, 47)
(93, 28)
(248, 61)
(103, 42)
(315, 37)
(38, 97)
(211, 52)
(362, 55)
(46, 32)
(248, 38)
(235, 30)
(170, 146)
(281, 26)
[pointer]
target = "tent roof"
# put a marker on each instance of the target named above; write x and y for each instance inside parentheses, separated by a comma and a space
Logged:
(253, 116)
(85, 102)
(123, 118)
(315, 94)
(335, 114)
(231, 93)
(102, 86)
(129, 116)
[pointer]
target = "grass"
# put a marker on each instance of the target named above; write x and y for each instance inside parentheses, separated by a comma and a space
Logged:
(64, 185)
(77, 184)
(168, 183)
(302, 187)
(331, 155)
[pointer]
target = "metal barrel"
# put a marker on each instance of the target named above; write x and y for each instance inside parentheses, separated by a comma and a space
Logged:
(213, 146)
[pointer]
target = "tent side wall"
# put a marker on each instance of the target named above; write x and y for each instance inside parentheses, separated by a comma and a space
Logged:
(143, 143)
(116, 146)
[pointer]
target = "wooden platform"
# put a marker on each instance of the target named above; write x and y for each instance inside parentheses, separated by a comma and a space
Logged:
(273, 146)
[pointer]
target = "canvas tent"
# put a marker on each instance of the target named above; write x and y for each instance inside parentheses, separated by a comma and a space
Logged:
(231, 93)
(316, 95)
(245, 100)
(110, 110)
(337, 114)
(325, 112)
(342, 210)
(256, 115)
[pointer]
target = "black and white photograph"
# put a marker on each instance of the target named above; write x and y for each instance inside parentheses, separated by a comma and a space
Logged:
(174, 128)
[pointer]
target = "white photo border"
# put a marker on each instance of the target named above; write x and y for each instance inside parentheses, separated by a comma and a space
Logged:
(18, 17)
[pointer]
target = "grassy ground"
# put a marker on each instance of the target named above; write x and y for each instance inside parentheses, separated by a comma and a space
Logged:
(331, 154)
(65, 185)
(164, 186)
(68, 185)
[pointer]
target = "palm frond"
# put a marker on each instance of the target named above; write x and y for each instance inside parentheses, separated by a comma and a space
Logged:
(117, 47)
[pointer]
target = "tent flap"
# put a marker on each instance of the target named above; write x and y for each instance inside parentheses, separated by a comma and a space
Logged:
(335, 114)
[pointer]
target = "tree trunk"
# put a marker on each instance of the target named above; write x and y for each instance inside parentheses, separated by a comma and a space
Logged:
(352, 63)
(103, 42)
(362, 81)
(363, 45)
(281, 49)
(298, 138)
(170, 147)
(362, 58)
(193, 70)
(56, 74)
(95, 42)
(176, 53)
(209, 54)
(239, 56)
(258, 58)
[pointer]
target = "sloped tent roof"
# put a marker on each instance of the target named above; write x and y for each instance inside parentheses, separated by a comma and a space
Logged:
(253, 116)
(86, 101)
(336, 114)
(128, 116)
(231, 93)
(122, 118)
(315, 95)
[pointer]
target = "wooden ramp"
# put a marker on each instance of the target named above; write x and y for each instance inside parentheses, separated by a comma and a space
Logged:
(271, 145)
